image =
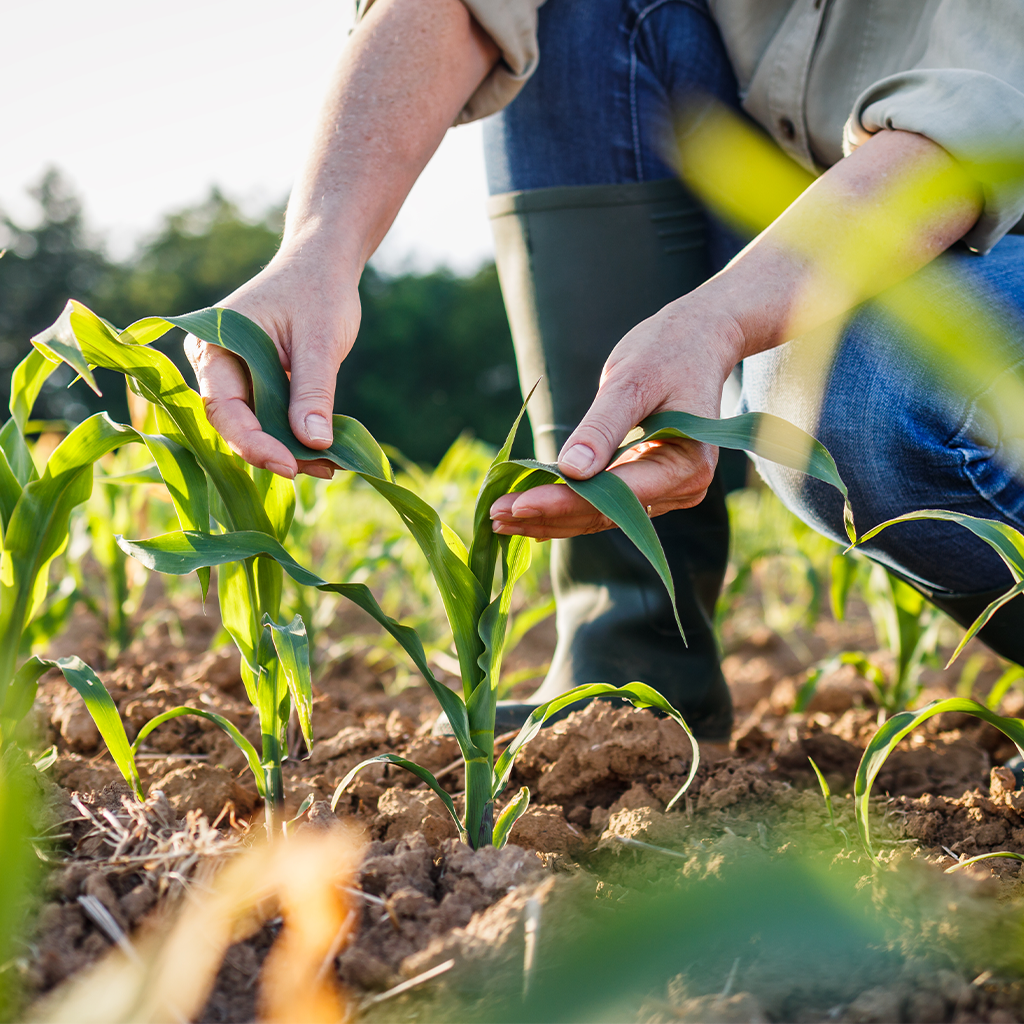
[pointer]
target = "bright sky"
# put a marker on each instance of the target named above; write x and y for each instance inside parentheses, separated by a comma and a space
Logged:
(145, 106)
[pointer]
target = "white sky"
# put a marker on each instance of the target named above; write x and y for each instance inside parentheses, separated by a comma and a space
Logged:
(145, 106)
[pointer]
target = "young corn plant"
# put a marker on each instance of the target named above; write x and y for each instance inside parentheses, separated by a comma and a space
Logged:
(36, 504)
(213, 491)
(477, 604)
(1008, 543)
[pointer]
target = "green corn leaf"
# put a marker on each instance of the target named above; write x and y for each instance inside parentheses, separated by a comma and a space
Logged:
(640, 695)
(759, 433)
(54, 342)
(1008, 854)
(889, 735)
(278, 496)
(21, 694)
(181, 415)
(104, 713)
(147, 475)
(10, 492)
(38, 527)
(409, 766)
(1002, 685)
(181, 553)
(292, 648)
(509, 816)
(27, 380)
(516, 552)
(826, 792)
(19, 458)
(502, 478)
(1007, 542)
(843, 573)
(240, 741)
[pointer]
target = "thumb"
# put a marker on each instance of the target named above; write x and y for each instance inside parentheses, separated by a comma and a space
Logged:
(314, 371)
(613, 414)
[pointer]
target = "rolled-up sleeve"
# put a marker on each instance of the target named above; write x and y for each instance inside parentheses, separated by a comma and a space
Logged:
(965, 93)
(512, 24)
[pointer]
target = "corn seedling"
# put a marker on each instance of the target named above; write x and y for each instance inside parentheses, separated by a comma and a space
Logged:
(35, 515)
(997, 855)
(1008, 543)
(211, 489)
(477, 608)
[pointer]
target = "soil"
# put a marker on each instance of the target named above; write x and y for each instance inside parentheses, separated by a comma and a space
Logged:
(595, 846)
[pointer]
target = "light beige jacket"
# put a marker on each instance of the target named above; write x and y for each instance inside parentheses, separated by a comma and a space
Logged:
(822, 75)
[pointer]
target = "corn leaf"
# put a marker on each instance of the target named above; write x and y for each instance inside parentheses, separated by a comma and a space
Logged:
(15, 450)
(508, 817)
(889, 735)
(10, 492)
(240, 741)
(59, 348)
(480, 703)
(409, 766)
(1005, 854)
(20, 696)
(181, 553)
(292, 648)
(181, 415)
(27, 380)
(1006, 541)
(640, 695)
(278, 496)
(760, 433)
(104, 713)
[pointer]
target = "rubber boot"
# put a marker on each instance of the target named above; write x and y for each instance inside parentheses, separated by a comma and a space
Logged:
(579, 267)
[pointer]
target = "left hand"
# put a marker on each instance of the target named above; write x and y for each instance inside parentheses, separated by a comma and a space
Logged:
(677, 360)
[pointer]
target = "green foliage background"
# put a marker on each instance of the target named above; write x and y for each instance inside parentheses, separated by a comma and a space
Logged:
(433, 358)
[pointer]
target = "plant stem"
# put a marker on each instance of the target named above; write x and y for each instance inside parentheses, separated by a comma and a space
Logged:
(479, 804)
(273, 780)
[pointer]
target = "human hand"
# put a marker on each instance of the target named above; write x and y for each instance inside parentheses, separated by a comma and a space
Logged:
(677, 360)
(312, 320)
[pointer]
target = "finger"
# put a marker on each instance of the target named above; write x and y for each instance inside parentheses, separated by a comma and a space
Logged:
(314, 370)
(553, 531)
(320, 468)
(224, 388)
(620, 404)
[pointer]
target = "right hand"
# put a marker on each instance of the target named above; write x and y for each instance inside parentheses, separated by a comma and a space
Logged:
(312, 319)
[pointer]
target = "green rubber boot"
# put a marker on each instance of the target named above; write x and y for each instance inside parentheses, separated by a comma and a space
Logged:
(579, 267)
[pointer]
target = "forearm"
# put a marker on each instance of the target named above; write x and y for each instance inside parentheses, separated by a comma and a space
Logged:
(869, 222)
(407, 70)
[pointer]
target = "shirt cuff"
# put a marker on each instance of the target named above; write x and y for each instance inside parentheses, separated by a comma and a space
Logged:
(512, 24)
(977, 118)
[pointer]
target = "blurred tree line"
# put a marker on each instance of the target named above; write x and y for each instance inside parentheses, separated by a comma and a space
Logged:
(433, 357)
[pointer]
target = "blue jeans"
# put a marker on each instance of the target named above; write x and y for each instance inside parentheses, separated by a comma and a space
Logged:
(597, 111)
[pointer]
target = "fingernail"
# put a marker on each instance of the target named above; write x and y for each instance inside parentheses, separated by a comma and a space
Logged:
(317, 428)
(320, 471)
(497, 527)
(524, 511)
(281, 470)
(579, 457)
